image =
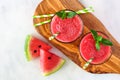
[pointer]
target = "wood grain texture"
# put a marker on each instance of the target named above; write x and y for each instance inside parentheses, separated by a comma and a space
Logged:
(71, 50)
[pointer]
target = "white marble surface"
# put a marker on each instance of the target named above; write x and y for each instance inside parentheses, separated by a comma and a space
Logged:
(16, 23)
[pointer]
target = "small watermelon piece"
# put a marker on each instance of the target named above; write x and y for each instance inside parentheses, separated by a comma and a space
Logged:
(33, 46)
(50, 62)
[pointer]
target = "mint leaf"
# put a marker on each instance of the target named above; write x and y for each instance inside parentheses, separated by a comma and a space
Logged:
(94, 33)
(71, 14)
(64, 15)
(106, 42)
(99, 38)
(61, 14)
(97, 45)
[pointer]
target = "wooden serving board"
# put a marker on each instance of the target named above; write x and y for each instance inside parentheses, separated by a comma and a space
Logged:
(71, 50)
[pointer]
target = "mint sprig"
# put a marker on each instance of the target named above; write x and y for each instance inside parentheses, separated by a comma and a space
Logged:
(97, 45)
(94, 33)
(100, 39)
(106, 42)
(71, 14)
(63, 14)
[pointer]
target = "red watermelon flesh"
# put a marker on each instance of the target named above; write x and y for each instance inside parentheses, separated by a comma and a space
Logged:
(69, 29)
(33, 46)
(50, 62)
(88, 49)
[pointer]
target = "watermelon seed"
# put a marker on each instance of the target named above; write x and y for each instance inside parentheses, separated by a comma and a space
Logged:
(39, 46)
(35, 51)
(49, 57)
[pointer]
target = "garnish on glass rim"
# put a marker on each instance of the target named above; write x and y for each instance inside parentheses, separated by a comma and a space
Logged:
(41, 23)
(85, 10)
(54, 35)
(87, 63)
(63, 14)
(43, 16)
(100, 39)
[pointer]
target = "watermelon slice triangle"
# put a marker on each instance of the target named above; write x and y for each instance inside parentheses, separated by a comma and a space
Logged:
(32, 47)
(50, 62)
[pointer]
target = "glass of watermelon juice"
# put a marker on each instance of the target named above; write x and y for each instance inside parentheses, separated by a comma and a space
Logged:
(88, 49)
(69, 28)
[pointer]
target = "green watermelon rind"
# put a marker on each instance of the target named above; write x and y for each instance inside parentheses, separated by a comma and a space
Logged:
(26, 48)
(60, 64)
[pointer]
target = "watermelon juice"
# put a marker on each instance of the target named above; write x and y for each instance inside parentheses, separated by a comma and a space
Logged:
(88, 49)
(69, 28)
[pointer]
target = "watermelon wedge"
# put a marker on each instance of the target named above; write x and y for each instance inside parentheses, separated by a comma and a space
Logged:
(33, 46)
(50, 62)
